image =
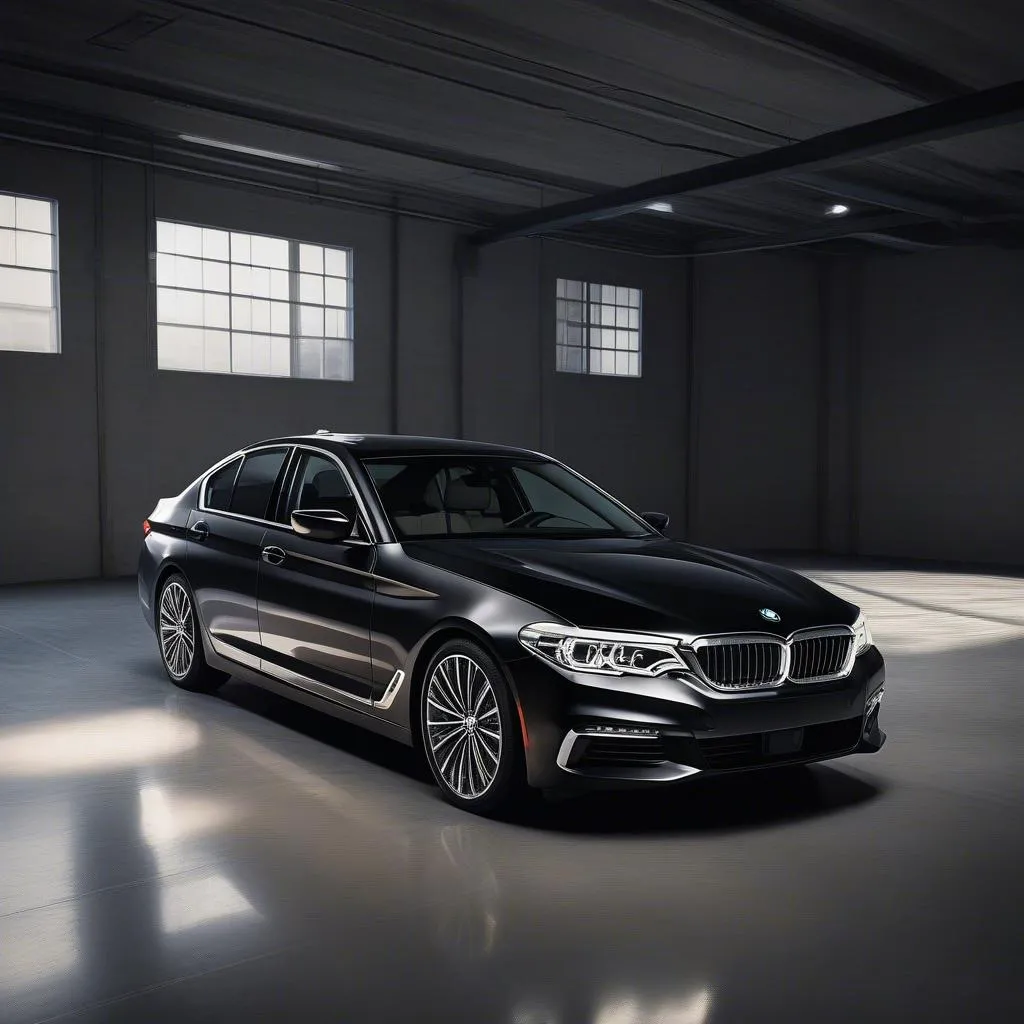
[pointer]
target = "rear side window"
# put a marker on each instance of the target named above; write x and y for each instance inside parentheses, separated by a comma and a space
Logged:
(255, 484)
(220, 485)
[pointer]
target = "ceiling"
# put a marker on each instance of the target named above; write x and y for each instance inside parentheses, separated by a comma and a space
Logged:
(480, 109)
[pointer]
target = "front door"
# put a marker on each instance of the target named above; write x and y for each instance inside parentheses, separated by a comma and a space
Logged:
(225, 538)
(316, 597)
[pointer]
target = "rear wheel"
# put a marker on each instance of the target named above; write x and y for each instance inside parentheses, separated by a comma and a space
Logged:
(181, 647)
(470, 730)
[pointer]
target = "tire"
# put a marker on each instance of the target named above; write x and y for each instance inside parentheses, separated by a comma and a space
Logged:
(476, 759)
(179, 641)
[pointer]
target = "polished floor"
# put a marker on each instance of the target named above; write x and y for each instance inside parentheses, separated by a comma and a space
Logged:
(168, 857)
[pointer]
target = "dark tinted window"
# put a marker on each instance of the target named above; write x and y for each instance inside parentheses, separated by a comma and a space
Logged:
(322, 486)
(219, 485)
(546, 497)
(255, 483)
(441, 496)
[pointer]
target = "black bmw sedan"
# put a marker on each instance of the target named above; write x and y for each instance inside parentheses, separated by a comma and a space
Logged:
(491, 607)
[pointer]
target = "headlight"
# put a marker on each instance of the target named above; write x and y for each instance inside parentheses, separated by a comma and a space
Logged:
(606, 653)
(862, 638)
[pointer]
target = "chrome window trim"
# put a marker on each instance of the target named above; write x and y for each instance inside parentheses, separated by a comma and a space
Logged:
(205, 479)
(360, 503)
(290, 448)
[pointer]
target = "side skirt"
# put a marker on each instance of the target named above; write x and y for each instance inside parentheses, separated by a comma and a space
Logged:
(297, 693)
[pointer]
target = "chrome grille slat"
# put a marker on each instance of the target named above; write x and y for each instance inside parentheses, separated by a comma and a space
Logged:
(757, 661)
(743, 664)
(818, 658)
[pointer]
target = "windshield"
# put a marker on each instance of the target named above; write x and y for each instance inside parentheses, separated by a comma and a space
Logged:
(459, 495)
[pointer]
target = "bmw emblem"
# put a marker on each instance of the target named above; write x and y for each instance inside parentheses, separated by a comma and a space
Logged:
(771, 616)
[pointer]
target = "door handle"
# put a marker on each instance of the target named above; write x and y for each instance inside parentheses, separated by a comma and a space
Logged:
(199, 531)
(273, 555)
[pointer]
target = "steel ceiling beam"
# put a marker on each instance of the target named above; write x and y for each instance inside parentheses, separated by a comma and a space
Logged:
(768, 20)
(845, 227)
(989, 108)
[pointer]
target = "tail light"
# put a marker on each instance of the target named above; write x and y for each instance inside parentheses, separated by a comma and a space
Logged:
(146, 527)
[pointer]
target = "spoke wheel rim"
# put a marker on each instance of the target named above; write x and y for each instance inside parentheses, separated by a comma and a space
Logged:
(177, 630)
(463, 726)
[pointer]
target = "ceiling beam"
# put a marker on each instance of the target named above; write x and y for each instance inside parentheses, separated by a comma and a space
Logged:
(771, 21)
(961, 115)
(846, 227)
(873, 195)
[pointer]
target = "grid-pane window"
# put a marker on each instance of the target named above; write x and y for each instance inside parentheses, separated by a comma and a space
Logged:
(29, 320)
(230, 302)
(597, 328)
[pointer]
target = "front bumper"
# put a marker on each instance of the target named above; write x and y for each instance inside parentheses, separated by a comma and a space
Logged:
(586, 729)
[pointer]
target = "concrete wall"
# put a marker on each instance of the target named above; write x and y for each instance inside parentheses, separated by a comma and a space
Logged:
(942, 406)
(49, 471)
(627, 434)
(866, 406)
(94, 436)
(757, 365)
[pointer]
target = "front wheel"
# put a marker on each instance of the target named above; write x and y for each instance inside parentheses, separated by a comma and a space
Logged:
(470, 730)
(181, 646)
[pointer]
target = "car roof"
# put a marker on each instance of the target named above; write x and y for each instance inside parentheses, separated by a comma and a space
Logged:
(383, 445)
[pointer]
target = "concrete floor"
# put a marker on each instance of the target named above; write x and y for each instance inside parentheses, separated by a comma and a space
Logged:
(168, 857)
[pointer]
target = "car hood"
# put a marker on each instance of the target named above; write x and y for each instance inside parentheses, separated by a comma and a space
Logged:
(646, 584)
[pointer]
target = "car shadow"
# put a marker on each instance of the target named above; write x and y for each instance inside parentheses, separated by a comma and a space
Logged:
(729, 803)
(324, 728)
(739, 802)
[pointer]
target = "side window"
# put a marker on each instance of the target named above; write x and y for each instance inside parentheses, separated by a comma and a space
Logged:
(544, 496)
(319, 484)
(255, 484)
(220, 485)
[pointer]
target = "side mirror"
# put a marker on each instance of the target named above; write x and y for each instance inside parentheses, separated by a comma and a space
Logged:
(659, 520)
(321, 524)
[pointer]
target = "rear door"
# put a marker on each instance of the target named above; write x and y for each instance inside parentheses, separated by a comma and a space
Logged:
(316, 597)
(224, 540)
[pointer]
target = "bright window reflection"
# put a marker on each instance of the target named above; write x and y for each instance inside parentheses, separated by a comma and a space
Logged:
(37, 949)
(96, 743)
(918, 612)
(36, 853)
(167, 817)
(627, 1008)
(190, 902)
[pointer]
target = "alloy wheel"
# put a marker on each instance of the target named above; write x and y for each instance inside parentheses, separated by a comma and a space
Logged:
(177, 633)
(463, 726)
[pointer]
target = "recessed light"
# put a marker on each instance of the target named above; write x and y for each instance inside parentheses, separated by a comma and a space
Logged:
(659, 207)
(267, 154)
(837, 210)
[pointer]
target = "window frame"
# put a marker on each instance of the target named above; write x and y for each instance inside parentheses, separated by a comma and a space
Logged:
(201, 505)
(57, 340)
(293, 301)
(284, 488)
(588, 326)
(526, 456)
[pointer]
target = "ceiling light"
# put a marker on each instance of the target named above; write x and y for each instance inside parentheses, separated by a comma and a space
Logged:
(659, 207)
(267, 154)
(837, 210)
